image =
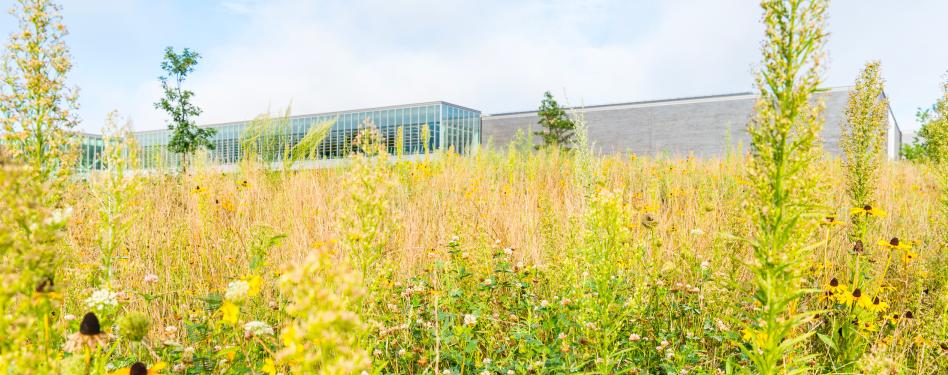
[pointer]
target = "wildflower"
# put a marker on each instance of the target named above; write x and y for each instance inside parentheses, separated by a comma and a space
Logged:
(508, 251)
(858, 247)
(561, 336)
(257, 328)
(102, 299)
(133, 326)
(244, 184)
(649, 221)
(269, 367)
(830, 221)
(878, 305)
(486, 361)
(171, 329)
(867, 210)
(705, 265)
(634, 337)
(697, 232)
(139, 368)
(253, 282)
(894, 319)
(151, 278)
(198, 189)
(229, 312)
(544, 303)
(90, 335)
(835, 288)
(69, 317)
(856, 297)
(470, 319)
(908, 256)
(895, 244)
(237, 291)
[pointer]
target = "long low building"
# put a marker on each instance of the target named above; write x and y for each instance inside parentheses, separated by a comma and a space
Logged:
(408, 129)
(700, 126)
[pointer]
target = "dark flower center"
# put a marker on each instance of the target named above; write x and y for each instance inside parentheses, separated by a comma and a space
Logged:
(858, 246)
(867, 207)
(834, 283)
(894, 241)
(90, 325)
(875, 301)
(138, 369)
(857, 293)
(45, 286)
(909, 315)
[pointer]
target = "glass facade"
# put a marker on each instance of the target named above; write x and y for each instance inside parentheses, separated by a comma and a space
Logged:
(432, 126)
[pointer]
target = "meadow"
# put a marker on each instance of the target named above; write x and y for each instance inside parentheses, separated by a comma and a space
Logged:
(778, 259)
(519, 262)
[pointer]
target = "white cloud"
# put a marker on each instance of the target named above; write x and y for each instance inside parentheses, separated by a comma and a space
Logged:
(498, 56)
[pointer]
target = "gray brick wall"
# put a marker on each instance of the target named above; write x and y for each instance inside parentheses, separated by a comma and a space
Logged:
(700, 126)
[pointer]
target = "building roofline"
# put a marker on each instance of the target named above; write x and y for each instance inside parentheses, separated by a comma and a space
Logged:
(659, 102)
(369, 109)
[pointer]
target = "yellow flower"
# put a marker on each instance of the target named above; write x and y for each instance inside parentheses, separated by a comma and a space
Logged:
(831, 221)
(894, 244)
(254, 283)
(269, 367)
(868, 326)
(244, 184)
(867, 210)
(877, 305)
(229, 312)
(198, 189)
(908, 256)
(835, 287)
(139, 368)
(856, 297)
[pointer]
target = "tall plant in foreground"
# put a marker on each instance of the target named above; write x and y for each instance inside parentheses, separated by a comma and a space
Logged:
(36, 106)
(324, 330)
(785, 145)
(114, 189)
(863, 141)
(934, 131)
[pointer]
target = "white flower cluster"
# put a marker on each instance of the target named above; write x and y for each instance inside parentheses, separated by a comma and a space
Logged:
(258, 328)
(102, 299)
(237, 291)
(470, 319)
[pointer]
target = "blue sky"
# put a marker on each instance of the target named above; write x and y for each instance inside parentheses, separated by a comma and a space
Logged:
(495, 56)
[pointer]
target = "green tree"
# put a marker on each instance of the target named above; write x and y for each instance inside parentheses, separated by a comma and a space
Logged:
(934, 131)
(187, 137)
(558, 127)
(37, 107)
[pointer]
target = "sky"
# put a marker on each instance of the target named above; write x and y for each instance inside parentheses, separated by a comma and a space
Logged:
(495, 56)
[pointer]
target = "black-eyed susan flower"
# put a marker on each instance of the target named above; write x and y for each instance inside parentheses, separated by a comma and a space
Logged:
(198, 189)
(894, 244)
(867, 210)
(878, 305)
(90, 335)
(244, 184)
(649, 221)
(835, 287)
(858, 247)
(908, 256)
(139, 368)
(856, 297)
(894, 319)
(830, 221)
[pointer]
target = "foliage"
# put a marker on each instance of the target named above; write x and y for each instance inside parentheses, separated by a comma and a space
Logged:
(38, 109)
(558, 128)
(186, 137)
(784, 179)
(934, 130)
